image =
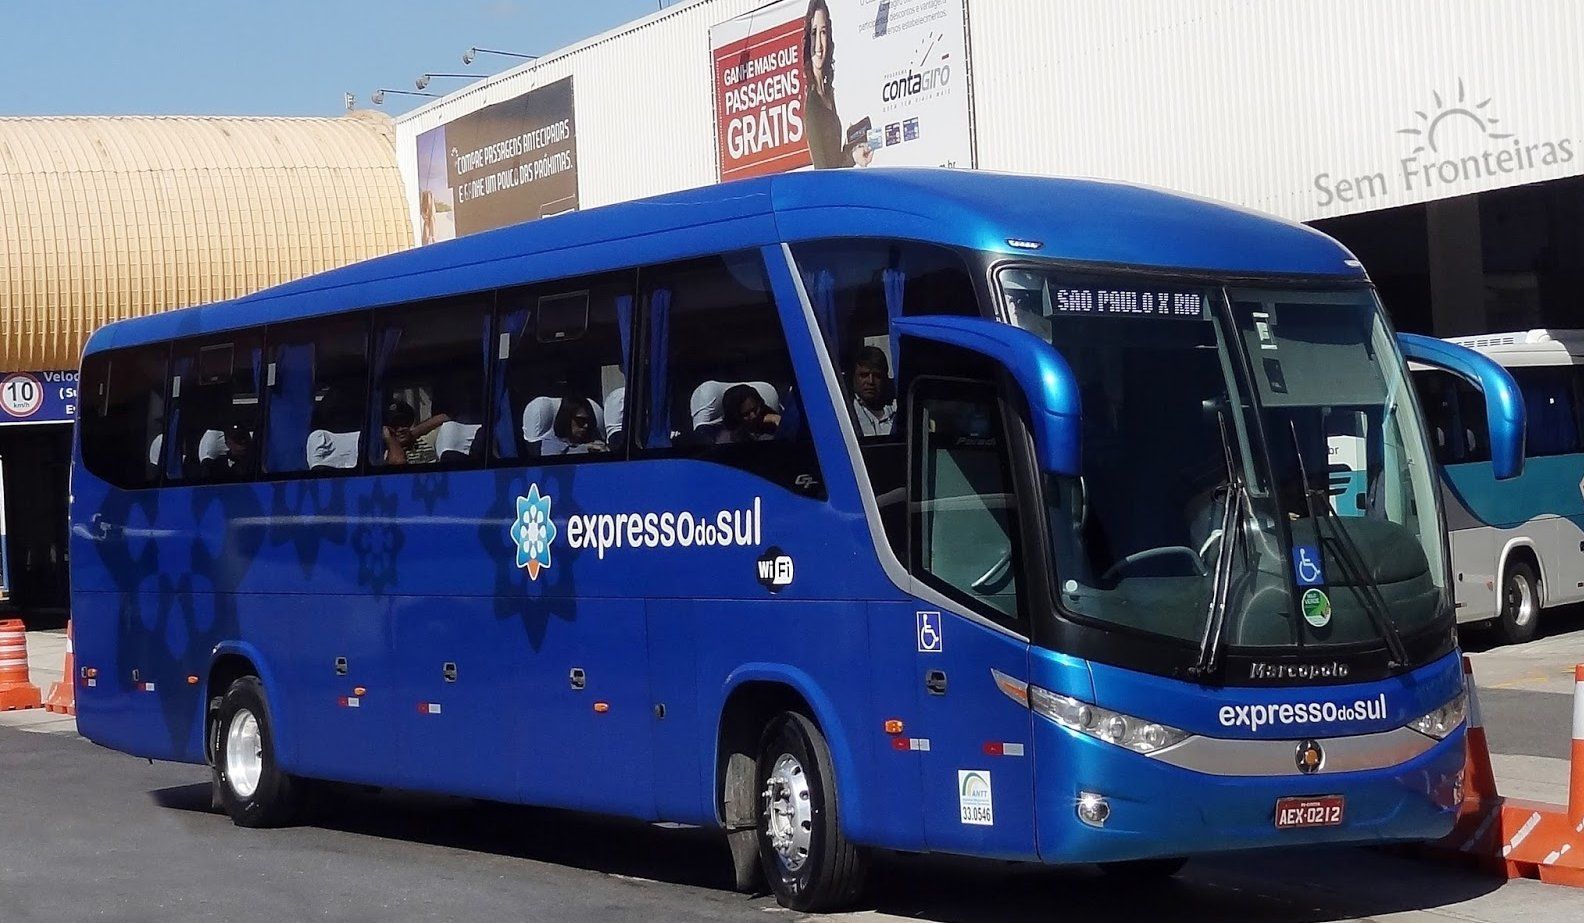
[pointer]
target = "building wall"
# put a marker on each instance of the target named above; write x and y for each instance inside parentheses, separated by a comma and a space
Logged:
(1295, 107)
(1276, 104)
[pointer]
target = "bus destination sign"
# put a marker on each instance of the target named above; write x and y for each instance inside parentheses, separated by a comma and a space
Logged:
(1128, 302)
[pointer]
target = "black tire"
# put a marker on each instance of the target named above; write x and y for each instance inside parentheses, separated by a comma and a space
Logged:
(277, 799)
(1519, 616)
(831, 876)
(1144, 869)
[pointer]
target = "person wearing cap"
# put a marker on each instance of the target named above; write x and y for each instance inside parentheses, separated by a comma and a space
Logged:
(404, 442)
(235, 461)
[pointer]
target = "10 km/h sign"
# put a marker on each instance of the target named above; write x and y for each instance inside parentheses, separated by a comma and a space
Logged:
(38, 397)
(21, 395)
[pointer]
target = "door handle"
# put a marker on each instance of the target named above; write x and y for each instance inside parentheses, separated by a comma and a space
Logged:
(935, 682)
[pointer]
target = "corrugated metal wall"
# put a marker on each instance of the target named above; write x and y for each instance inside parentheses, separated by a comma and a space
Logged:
(106, 218)
(1257, 102)
(1250, 101)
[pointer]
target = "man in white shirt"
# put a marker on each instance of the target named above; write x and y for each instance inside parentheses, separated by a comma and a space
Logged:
(871, 386)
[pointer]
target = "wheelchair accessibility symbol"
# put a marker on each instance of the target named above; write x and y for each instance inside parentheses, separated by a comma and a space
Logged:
(929, 633)
(1306, 565)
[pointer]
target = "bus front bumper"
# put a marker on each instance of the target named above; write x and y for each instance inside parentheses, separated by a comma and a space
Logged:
(1158, 809)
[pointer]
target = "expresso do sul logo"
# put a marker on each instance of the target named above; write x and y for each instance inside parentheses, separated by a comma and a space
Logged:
(1456, 142)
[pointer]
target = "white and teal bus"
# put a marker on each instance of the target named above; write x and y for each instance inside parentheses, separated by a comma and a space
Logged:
(1517, 545)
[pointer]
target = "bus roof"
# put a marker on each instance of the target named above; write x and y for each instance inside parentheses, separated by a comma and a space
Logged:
(1082, 220)
(1528, 347)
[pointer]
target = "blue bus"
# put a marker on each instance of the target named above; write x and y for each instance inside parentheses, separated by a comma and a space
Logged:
(927, 511)
(1516, 545)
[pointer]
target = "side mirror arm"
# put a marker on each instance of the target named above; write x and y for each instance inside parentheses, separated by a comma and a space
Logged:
(1505, 415)
(1045, 377)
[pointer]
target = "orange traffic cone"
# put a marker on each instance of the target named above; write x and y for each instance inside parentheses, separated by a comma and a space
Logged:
(15, 689)
(62, 697)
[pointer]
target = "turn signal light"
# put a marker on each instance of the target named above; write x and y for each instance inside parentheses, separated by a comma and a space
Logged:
(192, 680)
(601, 708)
(359, 691)
(893, 726)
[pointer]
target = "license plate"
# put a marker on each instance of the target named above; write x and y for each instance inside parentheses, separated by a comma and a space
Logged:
(1297, 813)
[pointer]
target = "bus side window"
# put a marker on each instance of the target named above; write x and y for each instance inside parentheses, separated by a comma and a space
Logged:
(428, 365)
(123, 415)
(317, 380)
(561, 356)
(1550, 400)
(965, 516)
(214, 416)
(855, 287)
(721, 385)
(1454, 415)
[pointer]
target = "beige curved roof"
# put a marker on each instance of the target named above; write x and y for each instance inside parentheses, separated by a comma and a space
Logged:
(106, 218)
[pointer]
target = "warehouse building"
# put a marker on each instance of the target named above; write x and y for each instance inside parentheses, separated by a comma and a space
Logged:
(1441, 141)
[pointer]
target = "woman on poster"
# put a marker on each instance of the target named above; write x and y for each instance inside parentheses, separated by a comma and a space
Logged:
(829, 145)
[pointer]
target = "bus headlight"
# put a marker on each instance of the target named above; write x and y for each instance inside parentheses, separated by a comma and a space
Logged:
(1444, 720)
(1113, 727)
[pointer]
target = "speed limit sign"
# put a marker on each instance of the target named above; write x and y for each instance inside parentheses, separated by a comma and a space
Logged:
(21, 395)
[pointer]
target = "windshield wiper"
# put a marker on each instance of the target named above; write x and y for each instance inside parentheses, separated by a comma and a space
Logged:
(1233, 522)
(1346, 552)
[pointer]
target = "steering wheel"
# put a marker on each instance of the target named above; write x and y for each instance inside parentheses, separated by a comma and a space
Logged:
(1148, 553)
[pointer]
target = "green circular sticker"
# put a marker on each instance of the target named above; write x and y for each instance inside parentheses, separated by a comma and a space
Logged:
(1316, 608)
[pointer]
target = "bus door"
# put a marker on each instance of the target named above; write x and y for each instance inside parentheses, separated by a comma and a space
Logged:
(976, 742)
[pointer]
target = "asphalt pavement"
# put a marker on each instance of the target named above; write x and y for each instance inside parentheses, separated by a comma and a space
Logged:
(89, 834)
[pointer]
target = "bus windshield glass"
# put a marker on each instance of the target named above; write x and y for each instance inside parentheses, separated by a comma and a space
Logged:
(1251, 450)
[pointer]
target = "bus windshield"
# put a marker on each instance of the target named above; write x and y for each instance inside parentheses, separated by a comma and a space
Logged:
(1263, 441)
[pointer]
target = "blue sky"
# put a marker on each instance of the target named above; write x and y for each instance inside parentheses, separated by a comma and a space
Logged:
(246, 57)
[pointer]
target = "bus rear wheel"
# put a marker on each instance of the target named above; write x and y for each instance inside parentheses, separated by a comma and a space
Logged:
(810, 865)
(247, 777)
(1519, 617)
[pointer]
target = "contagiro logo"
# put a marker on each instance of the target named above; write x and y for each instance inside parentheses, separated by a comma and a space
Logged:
(533, 532)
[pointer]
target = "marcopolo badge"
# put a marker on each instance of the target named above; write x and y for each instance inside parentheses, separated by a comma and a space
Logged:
(1316, 607)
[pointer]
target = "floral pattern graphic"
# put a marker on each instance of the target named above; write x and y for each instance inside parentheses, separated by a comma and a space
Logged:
(533, 532)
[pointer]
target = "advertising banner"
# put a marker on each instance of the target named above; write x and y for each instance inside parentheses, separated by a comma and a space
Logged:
(842, 83)
(38, 397)
(510, 162)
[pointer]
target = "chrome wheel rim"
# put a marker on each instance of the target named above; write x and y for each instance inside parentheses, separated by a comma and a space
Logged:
(244, 754)
(1520, 600)
(789, 812)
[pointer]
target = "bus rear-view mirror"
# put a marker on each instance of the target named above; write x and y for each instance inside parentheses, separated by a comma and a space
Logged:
(1504, 405)
(1043, 375)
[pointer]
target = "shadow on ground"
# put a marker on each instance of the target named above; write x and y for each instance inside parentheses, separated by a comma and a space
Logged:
(1300, 886)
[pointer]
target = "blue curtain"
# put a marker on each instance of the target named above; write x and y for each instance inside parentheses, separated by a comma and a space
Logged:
(659, 369)
(290, 408)
(624, 306)
(180, 371)
(895, 287)
(385, 342)
(506, 423)
(823, 297)
(791, 417)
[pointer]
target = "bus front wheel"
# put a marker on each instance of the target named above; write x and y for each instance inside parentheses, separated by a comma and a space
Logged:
(810, 865)
(1519, 617)
(251, 786)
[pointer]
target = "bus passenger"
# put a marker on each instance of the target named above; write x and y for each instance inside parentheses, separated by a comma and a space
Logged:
(232, 462)
(575, 431)
(404, 442)
(873, 406)
(745, 416)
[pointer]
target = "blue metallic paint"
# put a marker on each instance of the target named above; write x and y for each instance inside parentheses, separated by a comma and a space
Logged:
(1044, 376)
(401, 573)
